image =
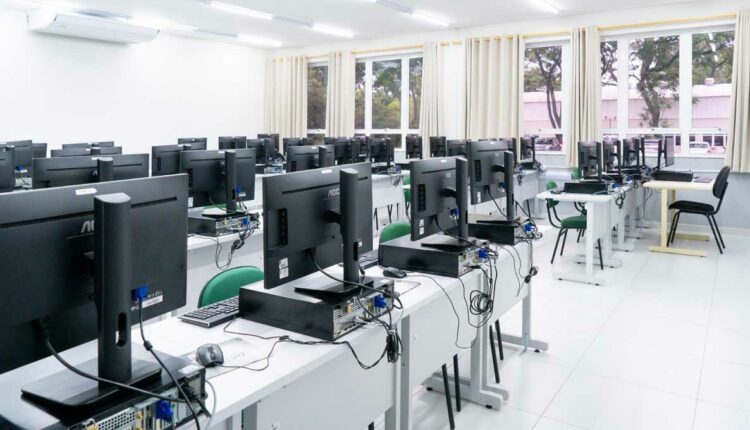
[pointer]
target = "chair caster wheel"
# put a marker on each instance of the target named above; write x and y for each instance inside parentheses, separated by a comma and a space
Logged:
(537, 351)
(488, 406)
(429, 388)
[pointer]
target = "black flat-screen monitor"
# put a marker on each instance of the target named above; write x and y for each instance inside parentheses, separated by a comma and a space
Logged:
(486, 167)
(273, 136)
(438, 147)
(288, 142)
(82, 152)
(56, 228)
(665, 157)
(590, 159)
(299, 221)
(194, 142)
(346, 150)
(633, 152)
(39, 150)
(59, 172)
(107, 144)
(381, 150)
(165, 159)
(414, 147)
(301, 158)
(456, 148)
(232, 142)
(434, 202)
(207, 178)
(266, 151)
(611, 155)
(7, 171)
(24, 153)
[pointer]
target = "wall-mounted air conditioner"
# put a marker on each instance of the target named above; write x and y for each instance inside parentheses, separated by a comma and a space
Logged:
(89, 27)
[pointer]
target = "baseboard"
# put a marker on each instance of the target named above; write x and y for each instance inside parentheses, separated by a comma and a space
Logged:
(703, 228)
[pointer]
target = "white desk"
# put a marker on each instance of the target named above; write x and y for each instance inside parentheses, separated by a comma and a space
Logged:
(600, 220)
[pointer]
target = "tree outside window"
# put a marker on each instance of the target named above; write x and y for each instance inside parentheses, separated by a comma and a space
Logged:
(386, 94)
(317, 86)
(415, 91)
(543, 95)
(654, 79)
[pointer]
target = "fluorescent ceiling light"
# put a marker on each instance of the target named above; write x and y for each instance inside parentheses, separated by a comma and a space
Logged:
(427, 18)
(240, 10)
(260, 41)
(320, 28)
(160, 24)
(544, 4)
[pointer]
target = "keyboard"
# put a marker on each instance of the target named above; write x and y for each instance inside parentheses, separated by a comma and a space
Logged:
(702, 179)
(213, 315)
(369, 259)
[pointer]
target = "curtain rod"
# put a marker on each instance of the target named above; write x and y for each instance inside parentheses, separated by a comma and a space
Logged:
(551, 34)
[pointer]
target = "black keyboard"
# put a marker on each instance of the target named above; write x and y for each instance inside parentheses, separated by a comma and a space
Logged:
(369, 259)
(213, 315)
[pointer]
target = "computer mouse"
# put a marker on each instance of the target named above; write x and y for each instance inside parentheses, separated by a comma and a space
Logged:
(392, 272)
(210, 355)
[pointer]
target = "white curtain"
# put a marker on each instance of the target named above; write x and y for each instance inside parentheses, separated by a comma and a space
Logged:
(340, 98)
(286, 96)
(738, 145)
(430, 112)
(585, 97)
(494, 79)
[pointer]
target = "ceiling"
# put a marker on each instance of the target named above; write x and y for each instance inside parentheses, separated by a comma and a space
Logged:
(364, 18)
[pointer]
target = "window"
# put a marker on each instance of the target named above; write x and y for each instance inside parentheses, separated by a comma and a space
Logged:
(678, 85)
(387, 96)
(317, 86)
(542, 96)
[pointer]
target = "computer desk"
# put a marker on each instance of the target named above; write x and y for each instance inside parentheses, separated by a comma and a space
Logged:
(388, 193)
(601, 217)
(668, 191)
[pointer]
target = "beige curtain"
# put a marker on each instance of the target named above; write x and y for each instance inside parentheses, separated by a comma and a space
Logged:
(585, 95)
(286, 96)
(340, 98)
(494, 79)
(430, 112)
(738, 145)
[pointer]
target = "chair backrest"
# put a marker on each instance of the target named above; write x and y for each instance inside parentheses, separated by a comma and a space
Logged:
(394, 231)
(721, 181)
(551, 185)
(227, 284)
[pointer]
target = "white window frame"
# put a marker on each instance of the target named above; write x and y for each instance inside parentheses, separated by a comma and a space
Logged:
(404, 129)
(684, 129)
(567, 81)
(318, 130)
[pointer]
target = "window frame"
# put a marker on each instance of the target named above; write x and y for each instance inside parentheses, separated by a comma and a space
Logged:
(685, 93)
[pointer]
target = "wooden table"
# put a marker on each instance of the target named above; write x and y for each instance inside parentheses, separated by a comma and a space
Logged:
(668, 190)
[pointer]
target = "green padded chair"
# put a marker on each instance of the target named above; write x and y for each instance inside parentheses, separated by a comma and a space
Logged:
(394, 231)
(577, 222)
(227, 284)
(407, 192)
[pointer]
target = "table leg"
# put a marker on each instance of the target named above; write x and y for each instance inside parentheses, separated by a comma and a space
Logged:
(666, 217)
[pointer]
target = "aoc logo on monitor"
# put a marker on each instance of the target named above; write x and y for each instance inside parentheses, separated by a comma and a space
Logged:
(334, 192)
(87, 227)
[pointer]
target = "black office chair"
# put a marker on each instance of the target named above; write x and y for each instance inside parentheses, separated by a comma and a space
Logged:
(697, 208)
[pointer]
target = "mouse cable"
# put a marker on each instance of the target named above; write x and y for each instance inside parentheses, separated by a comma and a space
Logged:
(213, 406)
(150, 348)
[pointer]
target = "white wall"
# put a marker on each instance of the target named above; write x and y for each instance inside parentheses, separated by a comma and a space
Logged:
(59, 90)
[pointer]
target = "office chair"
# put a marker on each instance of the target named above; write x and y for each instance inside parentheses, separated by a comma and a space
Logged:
(577, 222)
(697, 208)
(407, 192)
(394, 231)
(227, 284)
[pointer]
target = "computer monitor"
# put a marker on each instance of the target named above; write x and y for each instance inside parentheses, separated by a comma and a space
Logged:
(665, 157)
(590, 159)
(525, 150)
(165, 159)
(364, 146)
(7, 172)
(266, 151)
(59, 172)
(381, 150)
(273, 136)
(82, 152)
(71, 241)
(414, 147)
(232, 142)
(300, 158)
(315, 139)
(486, 167)
(39, 150)
(303, 214)
(633, 152)
(24, 153)
(107, 144)
(456, 148)
(288, 142)
(438, 147)
(196, 143)
(210, 179)
(611, 155)
(439, 197)
(346, 150)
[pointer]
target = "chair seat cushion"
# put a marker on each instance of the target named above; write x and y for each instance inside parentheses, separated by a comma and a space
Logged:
(574, 222)
(694, 207)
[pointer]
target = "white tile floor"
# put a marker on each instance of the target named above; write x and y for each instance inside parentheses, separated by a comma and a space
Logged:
(664, 345)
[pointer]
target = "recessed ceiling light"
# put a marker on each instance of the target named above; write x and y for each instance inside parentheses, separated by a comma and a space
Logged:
(428, 18)
(332, 30)
(546, 5)
(259, 41)
(240, 10)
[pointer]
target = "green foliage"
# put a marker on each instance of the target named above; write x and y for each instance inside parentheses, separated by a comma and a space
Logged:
(655, 70)
(386, 94)
(359, 96)
(543, 72)
(415, 91)
(609, 63)
(317, 84)
(712, 57)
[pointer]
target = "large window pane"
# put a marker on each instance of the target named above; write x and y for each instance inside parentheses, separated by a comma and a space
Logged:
(609, 85)
(359, 96)
(708, 143)
(547, 142)
(542, 95)
(415, 91)
(654, 82)
(712, 79)
(386, 94)
(317, 84)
